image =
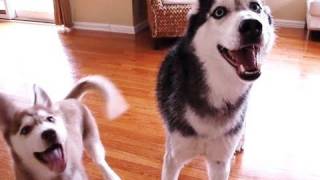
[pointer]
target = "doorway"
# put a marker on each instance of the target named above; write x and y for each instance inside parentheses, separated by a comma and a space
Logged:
(30, 10)
(36, 10)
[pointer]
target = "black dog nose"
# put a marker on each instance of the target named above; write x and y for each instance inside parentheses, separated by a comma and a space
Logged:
(250, 28)
(49, 136)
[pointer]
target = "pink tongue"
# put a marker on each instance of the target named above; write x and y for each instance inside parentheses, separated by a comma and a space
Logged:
(55, 160)
(247, 58)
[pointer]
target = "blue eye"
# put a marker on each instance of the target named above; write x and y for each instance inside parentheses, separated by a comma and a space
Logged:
(254, 6)
(219, 12)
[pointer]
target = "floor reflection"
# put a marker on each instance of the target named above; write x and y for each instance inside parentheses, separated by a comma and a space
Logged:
(33, 55)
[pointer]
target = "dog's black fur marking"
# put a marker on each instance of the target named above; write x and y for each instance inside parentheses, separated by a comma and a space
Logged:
(239, 125)
(180, 70)
(181, 82)
(270, 19)
(196, 20)
(171, 90)
(235, 130)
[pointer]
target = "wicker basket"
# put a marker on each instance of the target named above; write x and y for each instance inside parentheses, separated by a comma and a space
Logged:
(167, 20)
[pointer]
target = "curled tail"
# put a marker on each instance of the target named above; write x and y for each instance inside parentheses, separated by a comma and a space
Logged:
(116, 104)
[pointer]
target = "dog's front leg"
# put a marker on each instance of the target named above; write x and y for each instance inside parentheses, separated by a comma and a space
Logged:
(179, 151)
(218, 170)
(171, 167)
(219, 156)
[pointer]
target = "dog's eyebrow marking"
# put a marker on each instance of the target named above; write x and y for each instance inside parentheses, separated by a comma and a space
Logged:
(36, 111)
(42, 112)
(31, 114)
(240, 6)
(237, 3)
(18, 121)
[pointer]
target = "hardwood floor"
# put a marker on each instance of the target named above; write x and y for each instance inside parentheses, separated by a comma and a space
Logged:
(283, 117)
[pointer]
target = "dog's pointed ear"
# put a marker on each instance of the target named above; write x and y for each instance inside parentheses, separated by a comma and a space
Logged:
(8, 110)
(200, 6)
(41, 97)
(205, 5)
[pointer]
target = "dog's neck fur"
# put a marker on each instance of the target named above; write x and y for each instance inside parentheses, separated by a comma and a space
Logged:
(21, 172)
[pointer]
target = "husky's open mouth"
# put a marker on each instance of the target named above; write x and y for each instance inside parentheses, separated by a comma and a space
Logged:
(53, 158)
(244, 60)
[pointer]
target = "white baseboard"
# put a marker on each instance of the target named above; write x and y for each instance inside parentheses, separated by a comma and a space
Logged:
(104, 27)
(289, 23)
(137, 28)
(111, 27)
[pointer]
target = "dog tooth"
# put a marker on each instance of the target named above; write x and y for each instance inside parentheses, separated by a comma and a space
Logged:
(250, 73)
(242, 68)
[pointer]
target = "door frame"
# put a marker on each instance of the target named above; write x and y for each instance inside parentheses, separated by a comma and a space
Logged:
(10, 12)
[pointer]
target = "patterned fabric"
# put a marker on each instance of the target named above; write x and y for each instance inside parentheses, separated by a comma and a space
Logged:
(178, 1)
(168, 20)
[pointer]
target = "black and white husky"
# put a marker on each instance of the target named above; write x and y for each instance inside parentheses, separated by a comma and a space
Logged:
(204, 82)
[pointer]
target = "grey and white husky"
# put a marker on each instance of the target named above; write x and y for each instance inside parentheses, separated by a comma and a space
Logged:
(204, 81)
(47, 139)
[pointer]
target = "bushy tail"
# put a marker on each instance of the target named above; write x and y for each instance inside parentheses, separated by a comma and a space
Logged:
(116, 104)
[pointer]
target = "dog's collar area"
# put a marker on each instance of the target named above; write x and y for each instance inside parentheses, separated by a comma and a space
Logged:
(244, 60)
(53, 158)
